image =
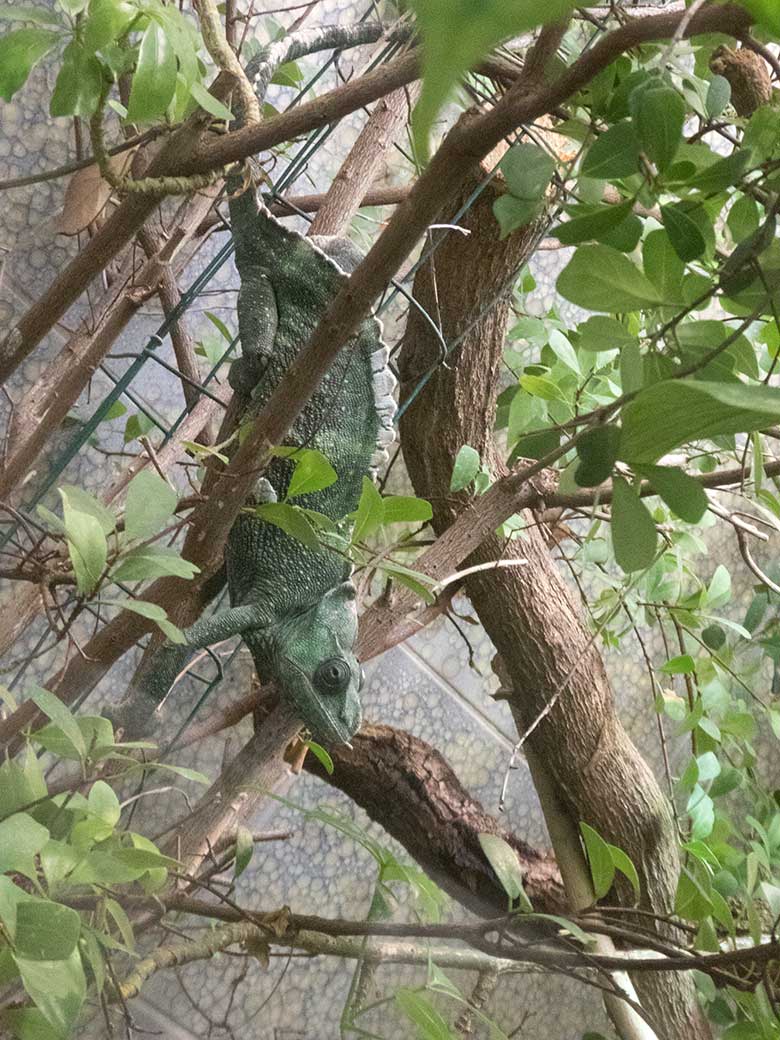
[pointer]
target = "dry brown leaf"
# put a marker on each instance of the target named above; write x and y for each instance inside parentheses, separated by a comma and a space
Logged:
(87, 195)
(258, 948)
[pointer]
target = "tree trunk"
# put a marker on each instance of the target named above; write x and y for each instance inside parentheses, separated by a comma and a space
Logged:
(528, 612)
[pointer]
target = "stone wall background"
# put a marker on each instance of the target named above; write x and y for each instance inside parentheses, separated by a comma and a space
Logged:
(425, 686)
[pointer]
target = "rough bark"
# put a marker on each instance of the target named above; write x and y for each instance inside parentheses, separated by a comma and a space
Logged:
(366, 157)
(528, 611)
(409, 788)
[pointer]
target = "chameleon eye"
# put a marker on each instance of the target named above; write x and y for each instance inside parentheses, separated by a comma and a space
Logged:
(332, 676)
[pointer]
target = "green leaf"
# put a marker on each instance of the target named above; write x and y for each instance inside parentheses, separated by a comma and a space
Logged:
(659, 115)
(663, 266)
(541, 386)
(188, 774)
(87, 546)
(203, 450)
(743, 219)
(154, 80)
(86, 503)
(701, 810)
(181, 35)
(614, 154)
(631, 368)
(685, 496)
(721, 175)
(155, 613)
(602, 869)
(600, 334)
(28, 1023)
(288, 75)
(291, 520)
(321, 755)
(103, 803)
(633, 530)
(683, 664)
(45, 931)
(684, 234)
(408, 578)
(718, 96)
(762, 134)
(25, 13)
(95, 958)
(623, 862)
(692, 900)
(503, 859)
(592, 224)
(151, 501)
(597, 451)
(312, 471)
(370, 512)
(765, 13)
(700, 337)
(20, 52)
(465, 468)
(602, 279)
(58, 988)
(21, 839)
(719, 588)
(52, 521)
(456, 35)
(405, 509)
(208, 102)
(21, 782)
(674, 412)
(79, 83)
(245, 848)
(97, 734)
(429, 1024)
(61, 715)
(512, 213)
(137, 425)
(527, 171)
(151, 561)
(106, 22)
(221, 327)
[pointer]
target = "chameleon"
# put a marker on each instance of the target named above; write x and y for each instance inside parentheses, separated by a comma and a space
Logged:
(294, 607)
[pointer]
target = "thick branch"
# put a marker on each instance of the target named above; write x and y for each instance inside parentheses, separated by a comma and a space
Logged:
(236, 795)
(408, 787)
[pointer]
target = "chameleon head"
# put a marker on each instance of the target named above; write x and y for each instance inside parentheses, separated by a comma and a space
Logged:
(316, 669)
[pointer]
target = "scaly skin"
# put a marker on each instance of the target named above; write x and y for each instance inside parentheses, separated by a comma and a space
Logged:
(293, 607)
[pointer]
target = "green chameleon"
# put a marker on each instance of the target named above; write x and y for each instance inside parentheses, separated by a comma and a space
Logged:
(293, 607)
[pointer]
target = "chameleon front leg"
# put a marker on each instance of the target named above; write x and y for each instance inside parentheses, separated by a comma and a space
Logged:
(150, 689)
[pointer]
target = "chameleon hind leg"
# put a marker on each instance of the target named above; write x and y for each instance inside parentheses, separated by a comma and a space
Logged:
(154, 681)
